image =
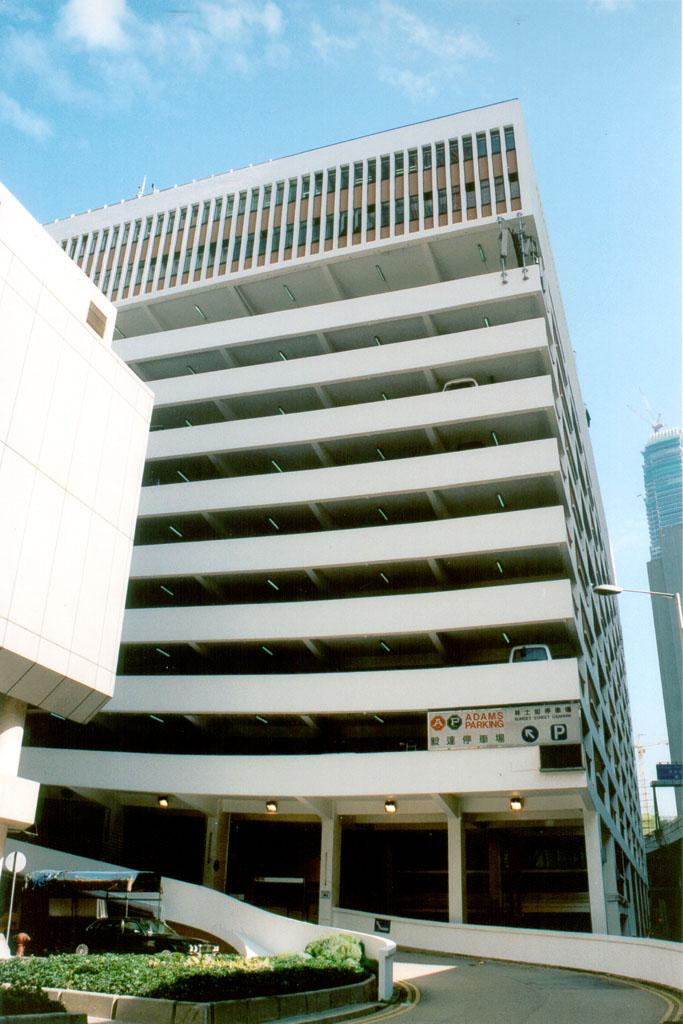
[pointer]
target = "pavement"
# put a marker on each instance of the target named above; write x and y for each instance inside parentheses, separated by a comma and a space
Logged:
(445, 989)
(466, 990)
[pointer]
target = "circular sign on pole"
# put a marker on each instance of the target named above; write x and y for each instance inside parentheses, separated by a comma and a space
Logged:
(15, 861)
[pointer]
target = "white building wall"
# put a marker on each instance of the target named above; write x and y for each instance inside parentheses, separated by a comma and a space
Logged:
(73, 430)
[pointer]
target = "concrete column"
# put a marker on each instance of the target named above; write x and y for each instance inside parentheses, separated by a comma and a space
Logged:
(330, 865)
(113, 837)
(456, 870)
(609, 874)
(12, 715)
(596, 885)
(222, 844)
(216, 851)
(210, 850)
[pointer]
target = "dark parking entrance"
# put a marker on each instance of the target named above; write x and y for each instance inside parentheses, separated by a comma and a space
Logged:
(399, 871)
(527, 878)
(275, 865)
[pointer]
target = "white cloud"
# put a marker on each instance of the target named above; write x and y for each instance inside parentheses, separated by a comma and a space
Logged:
(409, 82)
(431, 39)
(410, 52)
(23, 120)
(27, 51)
(326, 44)
(610, 6)
(232, 20)
(97, 23)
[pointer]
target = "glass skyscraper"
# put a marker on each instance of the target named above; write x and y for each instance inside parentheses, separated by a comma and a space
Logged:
(663, 474)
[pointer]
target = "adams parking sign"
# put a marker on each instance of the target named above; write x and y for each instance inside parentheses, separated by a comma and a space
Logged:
(520, 726)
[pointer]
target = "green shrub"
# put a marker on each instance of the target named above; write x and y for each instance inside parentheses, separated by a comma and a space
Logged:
(194, 978)
(341, 950)
(18, 999)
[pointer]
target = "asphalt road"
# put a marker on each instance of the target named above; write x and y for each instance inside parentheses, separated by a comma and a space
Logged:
(466, 990)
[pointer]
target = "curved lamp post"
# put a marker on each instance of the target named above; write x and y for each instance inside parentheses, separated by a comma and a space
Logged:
(612, 590)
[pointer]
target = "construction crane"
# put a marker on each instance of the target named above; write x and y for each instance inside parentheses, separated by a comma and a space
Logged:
(654, 422)
(640, 749)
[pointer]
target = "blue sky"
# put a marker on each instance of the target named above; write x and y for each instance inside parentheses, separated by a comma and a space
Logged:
(97, 94)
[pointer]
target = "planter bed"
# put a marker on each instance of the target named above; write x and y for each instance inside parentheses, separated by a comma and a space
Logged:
(137, 1010)
(44, 1018)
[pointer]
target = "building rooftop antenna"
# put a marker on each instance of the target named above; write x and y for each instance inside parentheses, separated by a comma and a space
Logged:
(141, 190)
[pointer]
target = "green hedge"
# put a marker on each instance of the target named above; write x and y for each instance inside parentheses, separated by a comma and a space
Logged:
(194, 978)
(27, 999)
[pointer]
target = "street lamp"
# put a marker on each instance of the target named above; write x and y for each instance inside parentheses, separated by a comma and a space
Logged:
(612, 590)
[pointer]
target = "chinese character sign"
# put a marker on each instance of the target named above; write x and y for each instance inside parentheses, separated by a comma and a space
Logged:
(484, 728)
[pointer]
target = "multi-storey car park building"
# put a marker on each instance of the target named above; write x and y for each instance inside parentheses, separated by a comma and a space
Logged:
(337, 550)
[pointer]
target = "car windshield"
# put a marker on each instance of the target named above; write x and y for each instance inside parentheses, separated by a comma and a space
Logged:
(156, 928)
(531, 654)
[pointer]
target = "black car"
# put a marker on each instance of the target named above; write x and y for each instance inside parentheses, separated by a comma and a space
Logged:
(138, 935)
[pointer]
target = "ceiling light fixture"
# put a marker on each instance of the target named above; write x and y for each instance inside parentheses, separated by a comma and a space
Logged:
(271, 806)
(260, 718)
(162, 801)
(516, 803)
(267, 650)
(379, 271)
(390, 806)
(289, 293)
(173, 530)
(385, 645)
(482, 256)
(201, 313)
(377, 340)
(506, 638)
(487, 322)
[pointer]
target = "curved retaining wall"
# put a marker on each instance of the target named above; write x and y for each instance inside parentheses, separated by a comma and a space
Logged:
(254, 932)
(640, 959)
(234, 1011)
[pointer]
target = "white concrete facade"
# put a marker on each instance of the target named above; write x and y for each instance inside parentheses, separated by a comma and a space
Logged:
(330, 546)
(73, 427)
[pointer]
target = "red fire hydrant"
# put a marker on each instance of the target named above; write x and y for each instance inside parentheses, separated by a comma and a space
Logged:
(22, 941)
